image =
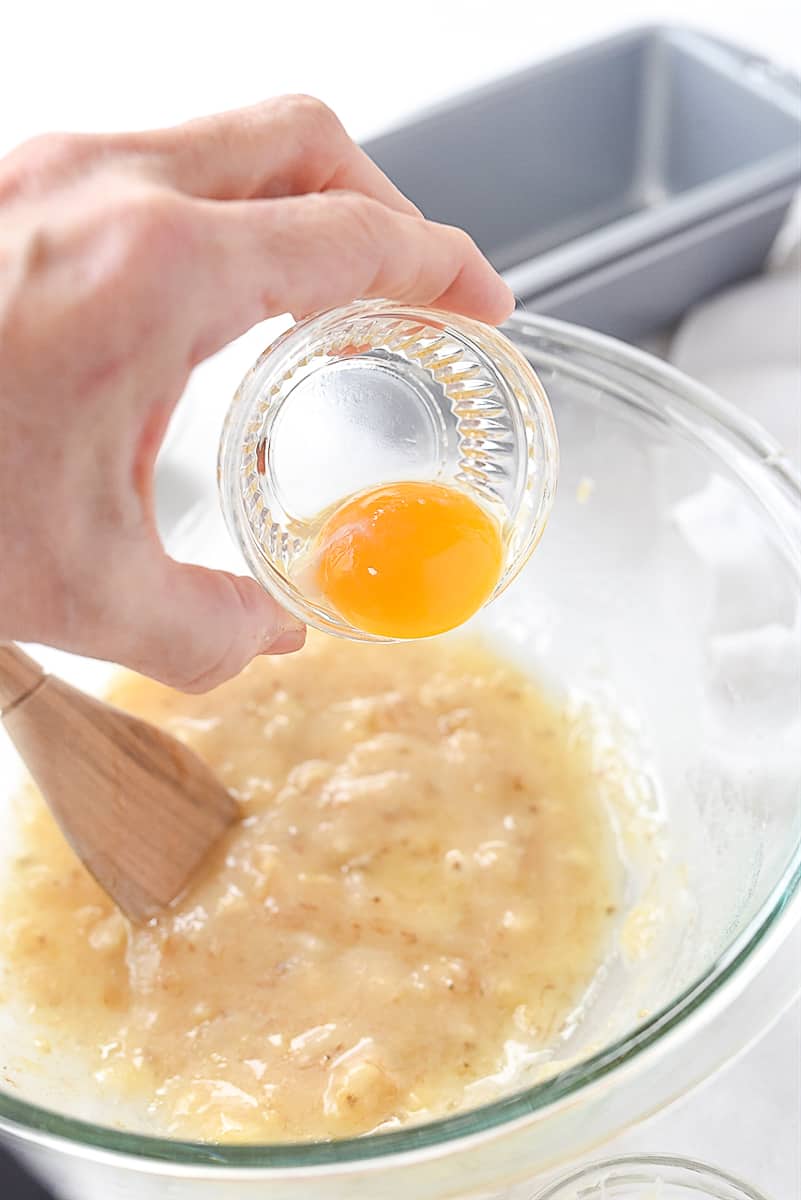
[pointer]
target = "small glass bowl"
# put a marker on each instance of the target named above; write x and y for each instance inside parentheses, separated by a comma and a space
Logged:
(651, 1177)
(372, 394)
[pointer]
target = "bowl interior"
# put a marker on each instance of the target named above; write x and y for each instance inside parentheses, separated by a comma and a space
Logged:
(664, 603)
(369, 395)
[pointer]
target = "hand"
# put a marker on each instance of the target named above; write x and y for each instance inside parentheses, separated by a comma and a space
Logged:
(124, 261)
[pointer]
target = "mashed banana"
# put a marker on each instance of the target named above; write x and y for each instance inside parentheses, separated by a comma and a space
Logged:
(421, 886)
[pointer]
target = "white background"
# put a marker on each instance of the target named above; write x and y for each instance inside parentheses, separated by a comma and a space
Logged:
(107, 65)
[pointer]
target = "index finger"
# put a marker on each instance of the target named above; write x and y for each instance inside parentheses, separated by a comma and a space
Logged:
(284, 147)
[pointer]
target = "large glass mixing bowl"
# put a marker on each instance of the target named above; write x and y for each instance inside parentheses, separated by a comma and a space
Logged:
(664, 600)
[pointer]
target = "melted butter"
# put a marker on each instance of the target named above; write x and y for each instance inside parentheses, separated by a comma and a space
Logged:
(420, 888)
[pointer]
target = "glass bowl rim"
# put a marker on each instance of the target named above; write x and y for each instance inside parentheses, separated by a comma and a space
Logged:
(705, 1173)
(36, 1123)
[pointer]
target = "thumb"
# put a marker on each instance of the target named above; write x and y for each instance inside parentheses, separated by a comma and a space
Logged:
(193, 628)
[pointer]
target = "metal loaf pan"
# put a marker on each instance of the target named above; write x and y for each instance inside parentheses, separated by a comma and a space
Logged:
(618, 184)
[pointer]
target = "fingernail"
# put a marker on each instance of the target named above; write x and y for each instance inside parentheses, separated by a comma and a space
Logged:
(287, 642)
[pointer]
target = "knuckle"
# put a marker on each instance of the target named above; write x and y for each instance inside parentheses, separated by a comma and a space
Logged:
(154, 223)
(43, 158)
(144, 214)
(317, 132)
(54, 149)
(311, 114)
(316, 139)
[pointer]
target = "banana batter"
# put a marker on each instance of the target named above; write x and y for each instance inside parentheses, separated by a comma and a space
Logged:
(422, 884)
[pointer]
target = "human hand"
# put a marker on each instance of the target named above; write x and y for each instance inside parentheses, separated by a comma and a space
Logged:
(125, 260)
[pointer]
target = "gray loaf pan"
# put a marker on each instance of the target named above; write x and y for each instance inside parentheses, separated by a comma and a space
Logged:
(618, 184)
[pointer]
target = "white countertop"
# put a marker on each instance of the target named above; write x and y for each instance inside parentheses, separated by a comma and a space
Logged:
(94, 65)
(745, 1119)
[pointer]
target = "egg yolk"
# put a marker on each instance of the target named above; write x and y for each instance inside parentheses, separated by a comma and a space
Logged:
(409, 560)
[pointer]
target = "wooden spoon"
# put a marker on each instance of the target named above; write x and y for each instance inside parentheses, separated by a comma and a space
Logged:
(139, 808)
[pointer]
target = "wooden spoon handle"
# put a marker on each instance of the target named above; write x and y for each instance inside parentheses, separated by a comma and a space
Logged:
(20, 676)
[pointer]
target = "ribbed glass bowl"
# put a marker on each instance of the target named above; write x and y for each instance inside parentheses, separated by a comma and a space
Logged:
(652, 1177)
(664, 598)
(371, 394)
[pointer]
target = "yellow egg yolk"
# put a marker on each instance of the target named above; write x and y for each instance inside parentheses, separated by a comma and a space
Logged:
(409, 560)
